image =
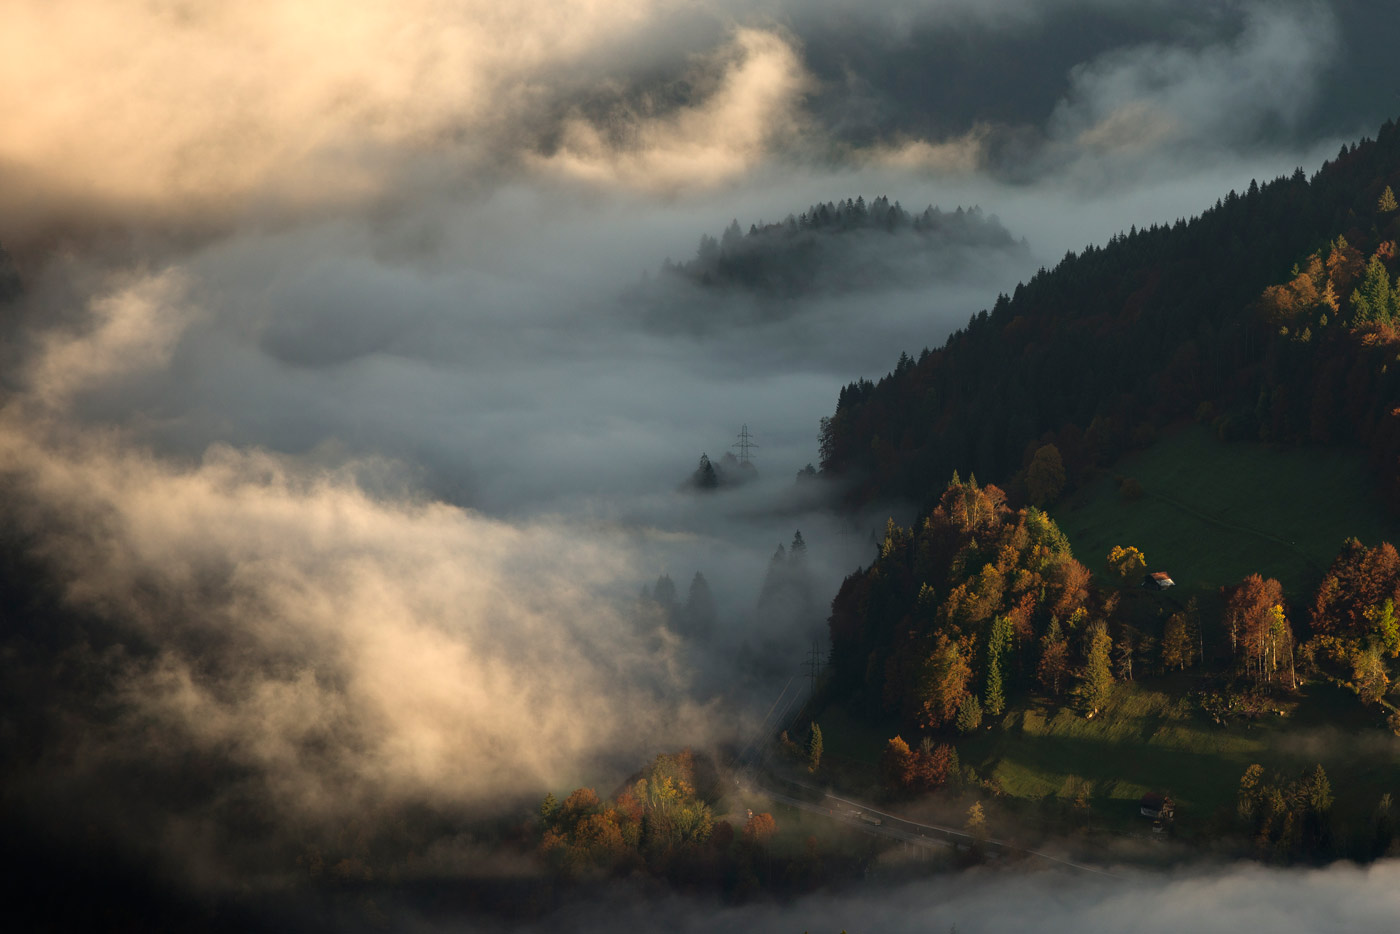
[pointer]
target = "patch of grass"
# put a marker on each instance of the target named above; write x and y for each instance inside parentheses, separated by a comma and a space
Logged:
(1150, 738)
(1212, 513)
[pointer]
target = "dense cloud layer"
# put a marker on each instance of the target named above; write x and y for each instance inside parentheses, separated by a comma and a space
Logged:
(321, 391)
(1221, 900)
(280, 108)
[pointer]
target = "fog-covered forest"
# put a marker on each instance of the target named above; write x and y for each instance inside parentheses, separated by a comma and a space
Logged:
(404, 525)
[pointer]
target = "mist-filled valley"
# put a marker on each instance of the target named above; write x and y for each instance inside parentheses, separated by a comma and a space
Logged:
(413, 410)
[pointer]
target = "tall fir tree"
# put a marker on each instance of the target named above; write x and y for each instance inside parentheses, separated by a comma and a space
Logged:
(1097, 684)
(698, 614)
(998, 645)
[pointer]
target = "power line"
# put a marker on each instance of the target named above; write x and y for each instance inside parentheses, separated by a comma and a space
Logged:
(813, 664)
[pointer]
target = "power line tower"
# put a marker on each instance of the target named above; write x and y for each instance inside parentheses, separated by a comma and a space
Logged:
(745, 444)
(813, 664)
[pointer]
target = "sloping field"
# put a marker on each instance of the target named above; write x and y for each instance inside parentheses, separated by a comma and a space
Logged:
(1212, 513)
(1150, 739)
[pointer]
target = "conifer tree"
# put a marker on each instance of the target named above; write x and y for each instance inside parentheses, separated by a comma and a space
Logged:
(998, 643)
(1097, 684)
(1373, 300)
(814, 747)
(705, 477)
(664, 593)
(699, 610)
(1387, 202)
(969, 714)
(1054, 658)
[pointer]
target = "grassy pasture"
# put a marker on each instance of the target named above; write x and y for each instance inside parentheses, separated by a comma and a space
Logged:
(1213, 512)
(1150, 739)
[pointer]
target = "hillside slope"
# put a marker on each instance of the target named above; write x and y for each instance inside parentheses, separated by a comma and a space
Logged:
(1163, 323)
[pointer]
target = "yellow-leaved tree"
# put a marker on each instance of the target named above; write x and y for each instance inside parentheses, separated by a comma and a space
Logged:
(1128, 563)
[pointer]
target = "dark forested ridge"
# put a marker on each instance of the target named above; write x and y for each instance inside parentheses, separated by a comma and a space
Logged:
(1171, 321)
(830, 249)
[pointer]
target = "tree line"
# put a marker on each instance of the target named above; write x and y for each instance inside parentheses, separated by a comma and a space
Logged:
(839, 246)
(1271, 315)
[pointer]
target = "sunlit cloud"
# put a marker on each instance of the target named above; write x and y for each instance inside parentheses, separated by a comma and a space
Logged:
(752, 109)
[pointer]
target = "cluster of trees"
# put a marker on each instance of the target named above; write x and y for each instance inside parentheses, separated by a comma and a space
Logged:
(979, 603)
(730, 471)
(905, 771)
(1173, 320)
(840, 246)
(968, 607)
(663, 824)
(656, 822)
(695, 618)
(1261, 638)
(810, 751)
(1354, 627)
(1287, 818)
(789, 593)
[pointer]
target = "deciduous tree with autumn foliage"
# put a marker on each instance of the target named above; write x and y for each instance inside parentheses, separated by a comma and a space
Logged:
(1004, 578)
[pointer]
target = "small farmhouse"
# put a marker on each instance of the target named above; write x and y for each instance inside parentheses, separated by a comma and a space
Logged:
(1158, 580)
(1156, 806)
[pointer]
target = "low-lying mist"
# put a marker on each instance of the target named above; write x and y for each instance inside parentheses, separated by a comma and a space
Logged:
(334, 464)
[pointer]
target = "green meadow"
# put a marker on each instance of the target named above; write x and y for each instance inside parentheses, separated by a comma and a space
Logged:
(1213, 512)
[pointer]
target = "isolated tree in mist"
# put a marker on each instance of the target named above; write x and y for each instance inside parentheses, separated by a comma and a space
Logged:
(760, 828)
(698, 615)
(664, 593)
(797, 551)
(788, 592)
(976, 823)
(705, 477)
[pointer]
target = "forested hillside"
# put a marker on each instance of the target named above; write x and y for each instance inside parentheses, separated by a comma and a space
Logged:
(1271, 315)
(836, 248)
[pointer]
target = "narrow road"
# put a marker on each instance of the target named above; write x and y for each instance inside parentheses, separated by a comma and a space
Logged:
(879, 823)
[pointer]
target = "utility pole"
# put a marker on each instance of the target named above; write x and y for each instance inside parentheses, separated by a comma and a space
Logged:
(745, 444)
